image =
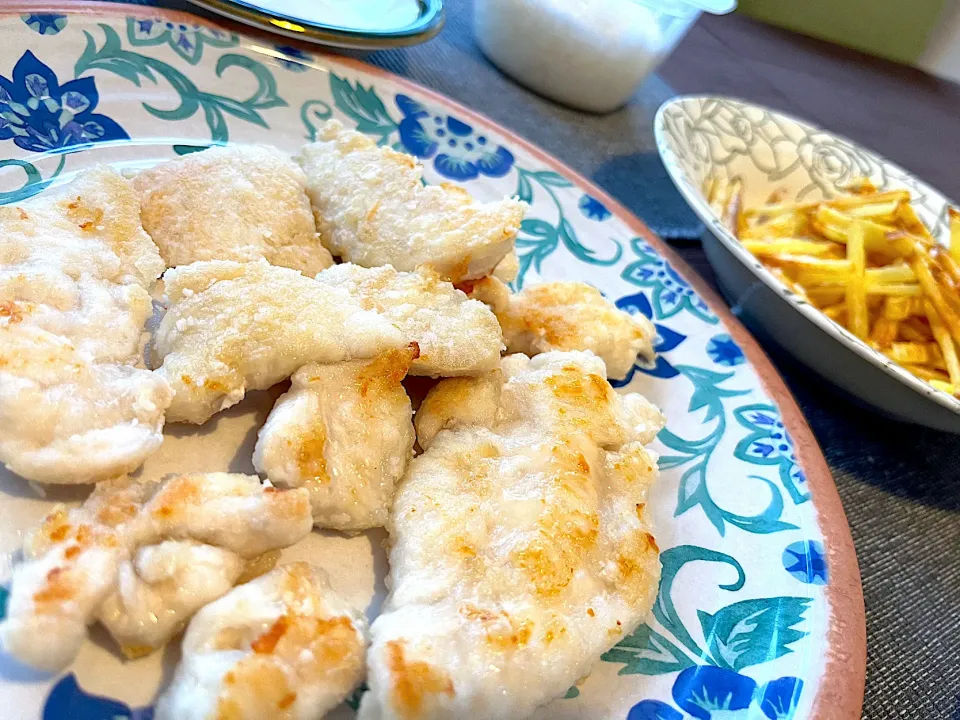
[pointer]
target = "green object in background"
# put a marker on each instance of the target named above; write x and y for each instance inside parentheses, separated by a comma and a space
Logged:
(894, 29)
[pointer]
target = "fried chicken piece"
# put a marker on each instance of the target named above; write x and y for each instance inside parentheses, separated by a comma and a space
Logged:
(65, 419)
(111, 558)
(459, 401)
(69, 567)
(160, 587)
(456, 335)
(508, 268)
(567, 315)
(520, 547)
(345, 433)
(234, 327)
(238, 202)
(76, 406)
(225, 525)
(282, 646)
(228, 510)
(371, 209)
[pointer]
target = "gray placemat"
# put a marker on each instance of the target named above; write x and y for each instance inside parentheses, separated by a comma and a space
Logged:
(900, 484)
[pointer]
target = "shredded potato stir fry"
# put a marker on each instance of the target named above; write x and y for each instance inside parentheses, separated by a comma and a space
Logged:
(867, 262)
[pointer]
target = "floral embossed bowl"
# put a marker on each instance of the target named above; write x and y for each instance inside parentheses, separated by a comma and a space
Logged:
(700, 135)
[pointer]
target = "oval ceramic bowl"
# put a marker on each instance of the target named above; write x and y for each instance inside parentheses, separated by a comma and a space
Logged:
(760, 613)
(697, 136)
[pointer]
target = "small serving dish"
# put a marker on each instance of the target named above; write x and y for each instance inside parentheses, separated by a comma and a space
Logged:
(337, 24)
(704, 136)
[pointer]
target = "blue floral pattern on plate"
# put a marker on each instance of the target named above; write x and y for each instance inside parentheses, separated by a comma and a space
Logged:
(186, 39)
(458, 152)
(769, 443)
(710, 682)
(805, 560)
(724, 351)
(40, 115)
(671, 293)
(68, 700)
(45, 23)
(593, 208)
(710, 693)
(666, 341)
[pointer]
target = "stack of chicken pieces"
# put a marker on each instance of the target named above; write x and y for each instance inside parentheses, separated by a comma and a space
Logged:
(519, 547)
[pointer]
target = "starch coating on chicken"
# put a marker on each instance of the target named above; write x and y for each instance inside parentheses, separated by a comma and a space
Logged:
(344, 432)
(235, 327)
(508, 268)
(236, 202)
(459, 401)
(228, 510)
(134, 552)
(372, 209)
(568, 315)
(520, 549)
(76, 405)
(69, 567)
(456, 335)
(285, 646)
(162, 585)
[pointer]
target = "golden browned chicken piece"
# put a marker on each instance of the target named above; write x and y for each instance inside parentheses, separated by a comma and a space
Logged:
(345, 433)
(520, 548)
(142, 557)
(76, 404)
(235, 327)
(455, 335)
(371, 209)
(567, 315)
(238, 202)
(283, 646)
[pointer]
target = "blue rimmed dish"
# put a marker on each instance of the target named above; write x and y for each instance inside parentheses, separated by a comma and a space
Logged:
(417, 23)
